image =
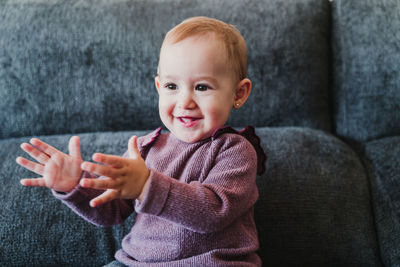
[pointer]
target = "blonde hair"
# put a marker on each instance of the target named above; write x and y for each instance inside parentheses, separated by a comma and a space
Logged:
(227, 34)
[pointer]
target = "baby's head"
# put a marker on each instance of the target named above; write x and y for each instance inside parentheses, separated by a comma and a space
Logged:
(232, 43)
(201, 76)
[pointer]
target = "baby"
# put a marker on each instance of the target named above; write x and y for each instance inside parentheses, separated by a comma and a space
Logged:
(194, 187)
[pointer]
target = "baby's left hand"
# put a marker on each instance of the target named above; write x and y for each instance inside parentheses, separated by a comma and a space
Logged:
(123, 178)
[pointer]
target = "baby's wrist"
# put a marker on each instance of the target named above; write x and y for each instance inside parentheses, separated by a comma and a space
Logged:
(144, 189)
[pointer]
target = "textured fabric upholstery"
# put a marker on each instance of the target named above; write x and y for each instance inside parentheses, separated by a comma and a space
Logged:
(366, 103)
(83, 66)
(315, 194)
(366, 45)
(382, 158)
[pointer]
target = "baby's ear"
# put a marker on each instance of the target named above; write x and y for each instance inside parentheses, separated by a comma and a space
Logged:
(157, 82)
(243, 90)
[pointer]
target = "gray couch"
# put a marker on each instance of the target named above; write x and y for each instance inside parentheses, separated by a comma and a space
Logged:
(325, 102)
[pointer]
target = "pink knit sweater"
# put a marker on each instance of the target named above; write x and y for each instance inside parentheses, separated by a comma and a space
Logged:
(198, 209)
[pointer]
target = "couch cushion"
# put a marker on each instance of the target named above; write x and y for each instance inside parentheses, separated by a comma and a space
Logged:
(366, 40)
(314, 207)
(383, 159)
(84, 66)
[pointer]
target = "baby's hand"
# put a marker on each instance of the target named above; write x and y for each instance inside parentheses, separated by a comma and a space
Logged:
(123, 178)
(59, 171)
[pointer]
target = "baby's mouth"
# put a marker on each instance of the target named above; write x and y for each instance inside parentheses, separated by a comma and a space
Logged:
(188, 121)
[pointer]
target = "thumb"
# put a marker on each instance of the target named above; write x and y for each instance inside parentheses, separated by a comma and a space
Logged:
(133, 149)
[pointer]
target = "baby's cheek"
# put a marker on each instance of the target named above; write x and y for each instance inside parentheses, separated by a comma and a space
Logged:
(219, 115)
(164, 107)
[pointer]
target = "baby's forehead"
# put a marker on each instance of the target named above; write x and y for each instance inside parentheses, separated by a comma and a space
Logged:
(210, 38)
(212, 41)
(200, 63)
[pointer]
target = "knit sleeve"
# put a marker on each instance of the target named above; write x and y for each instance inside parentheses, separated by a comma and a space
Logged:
(111, 213)
(228, 192)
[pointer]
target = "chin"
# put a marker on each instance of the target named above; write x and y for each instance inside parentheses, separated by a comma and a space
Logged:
(188, 138)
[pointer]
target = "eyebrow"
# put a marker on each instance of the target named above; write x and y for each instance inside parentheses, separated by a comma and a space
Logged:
(212, 79)
(209, 78)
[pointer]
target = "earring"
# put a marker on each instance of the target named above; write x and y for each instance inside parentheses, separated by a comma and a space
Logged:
(237, 104)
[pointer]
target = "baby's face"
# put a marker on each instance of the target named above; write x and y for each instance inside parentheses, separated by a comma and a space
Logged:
(196, 88)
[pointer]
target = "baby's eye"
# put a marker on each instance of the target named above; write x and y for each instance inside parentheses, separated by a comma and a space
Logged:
(170, 86)
(202, 87)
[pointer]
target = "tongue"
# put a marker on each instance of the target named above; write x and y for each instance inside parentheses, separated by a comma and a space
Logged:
(185, 120)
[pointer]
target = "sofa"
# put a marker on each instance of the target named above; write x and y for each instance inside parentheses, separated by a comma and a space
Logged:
(325, 104)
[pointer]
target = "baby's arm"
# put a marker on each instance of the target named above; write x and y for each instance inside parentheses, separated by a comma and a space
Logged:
(122, 178)
(59, 171)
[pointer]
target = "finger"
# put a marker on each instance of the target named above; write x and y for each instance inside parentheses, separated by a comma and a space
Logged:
(74, 147)
(35, 153)
(133, 149)
(101, 170)
(107, 196)
(100, 183)
(30, 165)
(33, 182)
(112, 160)
(46, 148)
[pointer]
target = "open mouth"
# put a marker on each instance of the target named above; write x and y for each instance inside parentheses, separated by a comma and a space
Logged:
(188, 121)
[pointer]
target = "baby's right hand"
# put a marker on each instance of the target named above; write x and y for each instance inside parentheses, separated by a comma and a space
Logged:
(59, 171)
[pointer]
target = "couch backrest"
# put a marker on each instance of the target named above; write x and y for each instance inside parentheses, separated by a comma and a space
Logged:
(366, 42)
(84, 66)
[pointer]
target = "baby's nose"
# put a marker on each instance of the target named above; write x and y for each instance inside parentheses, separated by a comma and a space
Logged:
(186, 100)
